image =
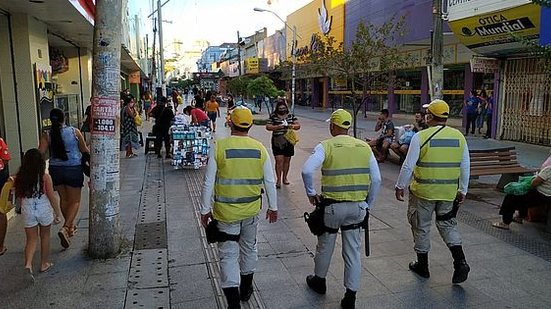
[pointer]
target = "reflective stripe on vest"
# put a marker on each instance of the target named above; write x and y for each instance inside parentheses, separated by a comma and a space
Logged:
(436, 174)
(345, 170)
(239, 177)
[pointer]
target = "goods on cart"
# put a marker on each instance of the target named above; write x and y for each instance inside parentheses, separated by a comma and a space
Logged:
(190, 145)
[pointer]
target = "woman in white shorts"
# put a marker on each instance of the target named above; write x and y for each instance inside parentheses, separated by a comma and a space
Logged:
(35, 194)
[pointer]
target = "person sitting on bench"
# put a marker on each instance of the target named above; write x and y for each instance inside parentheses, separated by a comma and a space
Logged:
(381, 144)
(539, 194)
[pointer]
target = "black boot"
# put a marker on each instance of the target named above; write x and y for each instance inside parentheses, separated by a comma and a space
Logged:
(316, 283)
(421, 266)
(349, 300)
(460, 266)
(232, 296)
(246, 287)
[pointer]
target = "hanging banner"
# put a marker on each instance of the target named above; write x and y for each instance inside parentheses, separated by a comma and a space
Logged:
(44, 93)
(134, 77)
(499, 33)
(484, 65)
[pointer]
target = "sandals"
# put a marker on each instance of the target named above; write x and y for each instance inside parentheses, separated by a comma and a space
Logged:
(285, 182)
(4, 249)
(72, 230)
(501, 225)
(516, 219)
(278, 186)
(64, 237)
(48, 267)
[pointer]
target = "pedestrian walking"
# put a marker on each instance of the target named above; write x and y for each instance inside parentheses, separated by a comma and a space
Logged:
(130, 138)
(66, 145)
(489, 113)
(471, 107)
(35, 193)
(5, 157)
(147, 103)
(164, 116)
(280, 122)
(481, 111)
(213, 111)
(238, 168)
(86, 127)
(349, 184)
(438, 159)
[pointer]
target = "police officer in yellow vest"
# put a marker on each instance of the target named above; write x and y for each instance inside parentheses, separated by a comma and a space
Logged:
(438, 159)
(238, 168)
(349, 184)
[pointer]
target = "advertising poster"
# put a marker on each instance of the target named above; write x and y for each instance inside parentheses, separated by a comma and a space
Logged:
(44, 93)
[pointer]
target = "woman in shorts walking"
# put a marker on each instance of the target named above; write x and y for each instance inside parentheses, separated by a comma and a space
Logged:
(213, 111)
(35, 194)
(66, 145)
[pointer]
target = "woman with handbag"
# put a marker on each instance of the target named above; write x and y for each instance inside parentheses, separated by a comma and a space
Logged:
(130, 139)
(66, 145)
(283, 126)
(4, 176)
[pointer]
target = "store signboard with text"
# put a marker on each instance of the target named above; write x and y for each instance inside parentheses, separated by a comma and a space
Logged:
(499, 32)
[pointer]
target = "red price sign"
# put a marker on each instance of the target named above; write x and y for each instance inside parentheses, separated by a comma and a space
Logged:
(104, 115)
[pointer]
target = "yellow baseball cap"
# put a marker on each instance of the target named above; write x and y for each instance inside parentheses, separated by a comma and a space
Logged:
(438, 108)
(242, 117)
(341, 118)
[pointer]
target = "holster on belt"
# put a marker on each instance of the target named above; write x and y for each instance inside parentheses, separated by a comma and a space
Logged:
(315, 219)
(214, 234)
(451, 214)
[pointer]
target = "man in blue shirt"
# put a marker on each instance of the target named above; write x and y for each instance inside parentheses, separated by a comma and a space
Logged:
(471, 105)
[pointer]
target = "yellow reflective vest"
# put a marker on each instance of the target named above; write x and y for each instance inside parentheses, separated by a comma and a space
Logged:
(345, 171)
(436, 174)
(239, 178)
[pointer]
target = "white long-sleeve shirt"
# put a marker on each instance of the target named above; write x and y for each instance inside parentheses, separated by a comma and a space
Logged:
(412, 157)
(210, 178)
(315, 162)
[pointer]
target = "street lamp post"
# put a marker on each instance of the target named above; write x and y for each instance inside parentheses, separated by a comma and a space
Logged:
(293, 54)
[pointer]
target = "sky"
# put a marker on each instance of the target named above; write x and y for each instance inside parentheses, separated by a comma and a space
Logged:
(216, 21)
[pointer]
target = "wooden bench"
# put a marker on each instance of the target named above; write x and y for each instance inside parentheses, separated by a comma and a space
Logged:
(498, 161)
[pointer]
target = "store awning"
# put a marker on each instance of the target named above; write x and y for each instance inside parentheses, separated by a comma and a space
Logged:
(128, 64)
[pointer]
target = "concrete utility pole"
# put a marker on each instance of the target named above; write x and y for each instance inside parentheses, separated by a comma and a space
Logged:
(104, 228)
(161, 48)
(437, 68)
(239, 52)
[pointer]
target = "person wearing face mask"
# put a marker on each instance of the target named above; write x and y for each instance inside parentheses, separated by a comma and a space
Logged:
(129, 131)
(438, 159)
(281, 121)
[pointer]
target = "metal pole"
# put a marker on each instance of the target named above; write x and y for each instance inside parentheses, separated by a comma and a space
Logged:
(161, 49)
(238, 53)
(294, 59)
(437, 46)
(104, 235)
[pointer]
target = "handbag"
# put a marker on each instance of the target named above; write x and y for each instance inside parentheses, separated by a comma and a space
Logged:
(291, 136)
(6, 203)
(138, 120)
(520, 187)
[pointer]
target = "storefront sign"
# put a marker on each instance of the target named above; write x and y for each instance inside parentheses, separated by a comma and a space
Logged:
(251, 65)
(460, 9)
(484, 65)
(134, 77)
(499, 32)
(104, 115)
(545, 32)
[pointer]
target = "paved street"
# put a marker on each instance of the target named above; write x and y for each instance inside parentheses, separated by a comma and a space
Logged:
(166, 262)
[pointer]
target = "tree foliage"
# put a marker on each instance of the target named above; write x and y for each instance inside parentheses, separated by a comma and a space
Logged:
(367, 64)
(263, 86)
(238, 85)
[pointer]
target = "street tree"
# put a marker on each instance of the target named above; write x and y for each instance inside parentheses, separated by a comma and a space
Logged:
(238, 86)
(263, 86)
(367, 65)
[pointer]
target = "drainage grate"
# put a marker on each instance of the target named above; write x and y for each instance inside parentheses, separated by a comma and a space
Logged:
(149, 269)
(149, 298)
(537, 248)
(150, 236)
